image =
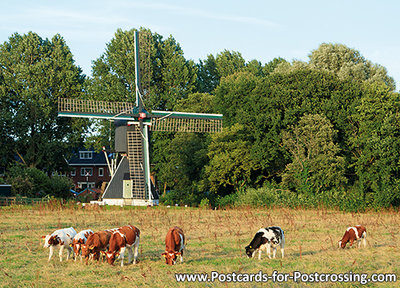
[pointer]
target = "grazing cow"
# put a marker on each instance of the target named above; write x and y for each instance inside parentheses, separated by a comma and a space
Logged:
(61, 237)
(174, 245)
(121, 239)
(266, 238)
(78, 240)
(95, 243)
(357, 233)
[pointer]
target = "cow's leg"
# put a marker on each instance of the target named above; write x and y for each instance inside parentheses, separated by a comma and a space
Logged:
(130, 253)
(282, 251)
(121, 255)
(51, 251)
(259, 254)
(70, 252)
(364, 239)
(136, 251)
(269, 250)
(181, 256)
(274, 252)
(61, 252)
(351, 242)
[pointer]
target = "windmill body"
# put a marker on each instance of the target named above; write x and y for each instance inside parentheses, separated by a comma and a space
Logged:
(131, 183)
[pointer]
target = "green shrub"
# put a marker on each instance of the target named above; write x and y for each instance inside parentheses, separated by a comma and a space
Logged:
(204, 203)
(32, 182)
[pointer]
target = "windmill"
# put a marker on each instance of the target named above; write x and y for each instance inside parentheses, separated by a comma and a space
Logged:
(130, 183)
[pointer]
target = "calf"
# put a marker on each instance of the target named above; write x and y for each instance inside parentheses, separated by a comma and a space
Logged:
(124, 237)
(95, 243)
(78, 240)
(266, 238)
(174, 245)
(357, 233)
(61, 237)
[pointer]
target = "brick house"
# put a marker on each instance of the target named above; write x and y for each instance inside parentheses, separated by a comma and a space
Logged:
(88, 169)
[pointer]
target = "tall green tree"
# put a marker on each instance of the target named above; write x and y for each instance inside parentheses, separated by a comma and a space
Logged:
(232, 94)
(179, 158)
(226, 63)
(166, 75)
(376, 145)
(231, 166)
(316, 164)
(349, 63)
(34, 73)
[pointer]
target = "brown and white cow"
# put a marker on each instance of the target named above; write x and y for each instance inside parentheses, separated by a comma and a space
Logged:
(78, 240)
(95, 243)
(123, 238)
(62, 238)
(174, 245)
(357, 233)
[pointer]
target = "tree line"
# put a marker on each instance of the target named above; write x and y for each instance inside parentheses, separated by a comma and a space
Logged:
(320, 132)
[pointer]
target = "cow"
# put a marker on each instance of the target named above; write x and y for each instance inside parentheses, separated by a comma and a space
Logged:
(123, 238)
(357, 233)
(62, 238)
(78, 240)
(95, 243)
(174, 245)
(266, 238)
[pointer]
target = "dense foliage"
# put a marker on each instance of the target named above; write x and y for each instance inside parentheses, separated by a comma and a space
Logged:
(322, 132)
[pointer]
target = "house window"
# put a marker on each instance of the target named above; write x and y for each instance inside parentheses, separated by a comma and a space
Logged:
(86, 154)
(84, 185)
(101, 171)
(86, 171)
(73, 172)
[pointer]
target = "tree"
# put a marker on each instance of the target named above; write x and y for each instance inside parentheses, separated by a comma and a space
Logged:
(34, 73)
(231, 166)
(346, 62)
(316, 165)
(271, 65)
(180, 158)
(376, 145)
(232, 94)
(214, 68)
(208, 77)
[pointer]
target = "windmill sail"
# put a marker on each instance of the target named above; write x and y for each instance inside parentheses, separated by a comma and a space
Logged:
(186, 122)
(167, 121)
(95, 109)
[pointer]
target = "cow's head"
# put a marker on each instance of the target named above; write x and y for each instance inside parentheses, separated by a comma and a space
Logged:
(342, 244)
(51, 240)
(110, 256)
(76, 246)
(170, 257)
(346, 238)
(85, 250)
(250, 250)
(46, 241)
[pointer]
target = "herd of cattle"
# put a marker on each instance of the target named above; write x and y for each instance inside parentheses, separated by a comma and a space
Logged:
(114, 242)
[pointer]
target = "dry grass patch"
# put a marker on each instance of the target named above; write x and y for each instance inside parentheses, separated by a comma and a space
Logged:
(215, 242)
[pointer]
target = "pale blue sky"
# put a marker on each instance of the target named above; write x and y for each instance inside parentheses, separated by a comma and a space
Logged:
(260, 30)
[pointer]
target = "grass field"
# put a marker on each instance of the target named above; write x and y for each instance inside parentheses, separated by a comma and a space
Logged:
(215, 242)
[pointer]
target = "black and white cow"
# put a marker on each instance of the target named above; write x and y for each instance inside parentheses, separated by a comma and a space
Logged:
(266, 238)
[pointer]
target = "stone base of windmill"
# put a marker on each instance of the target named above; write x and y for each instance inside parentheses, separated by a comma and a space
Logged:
(127, 202)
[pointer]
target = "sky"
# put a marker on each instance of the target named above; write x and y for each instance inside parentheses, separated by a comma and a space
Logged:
(260, 30)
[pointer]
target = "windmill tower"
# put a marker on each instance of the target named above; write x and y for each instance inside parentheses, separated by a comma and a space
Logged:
(130, 183)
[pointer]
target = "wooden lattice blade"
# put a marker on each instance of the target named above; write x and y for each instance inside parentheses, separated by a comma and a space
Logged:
(95, 109)
(169, 121)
